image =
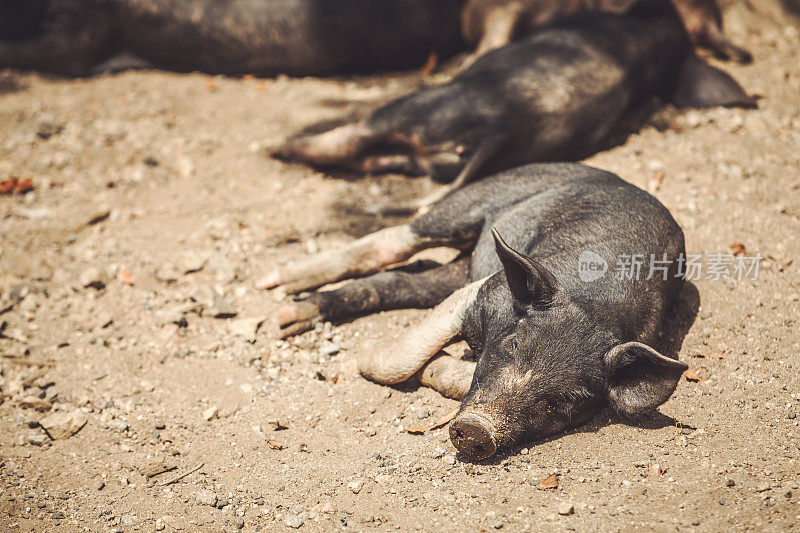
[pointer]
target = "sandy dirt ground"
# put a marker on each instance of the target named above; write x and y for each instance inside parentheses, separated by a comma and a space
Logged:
(128, 308)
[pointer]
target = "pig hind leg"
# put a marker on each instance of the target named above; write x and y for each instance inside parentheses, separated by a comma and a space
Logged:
(380, 292)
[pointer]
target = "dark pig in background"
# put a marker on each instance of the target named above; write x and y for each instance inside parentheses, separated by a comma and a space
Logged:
(559, 94)
(266, 37)
(490, 24)
(21, 19)
(556, 335)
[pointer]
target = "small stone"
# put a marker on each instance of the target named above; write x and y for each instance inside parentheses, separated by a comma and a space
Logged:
(160, 525)
(93, 278)
(565, 508)
(191, 262)
(32, 402)
(206, 497)
(293, 521)
(245, 327)
(370, 432)
(239, 522)
(355, 486)
(99, 484)
(211, 413)
(449, 459)
(128, 520)
(63, 425)
(438, 452)
(167, 273)
(36, 438)
(764, 486)
(791, 415)
(116, 424)
(47, 128)
(655, 469)
(329, 349)
(730, 483)
(498, 525)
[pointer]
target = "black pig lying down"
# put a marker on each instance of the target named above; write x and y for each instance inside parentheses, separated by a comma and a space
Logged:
(557, 95)
(553, 345)
(267, 37)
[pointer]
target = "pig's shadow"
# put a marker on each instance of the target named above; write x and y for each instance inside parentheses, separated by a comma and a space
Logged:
(680, 320)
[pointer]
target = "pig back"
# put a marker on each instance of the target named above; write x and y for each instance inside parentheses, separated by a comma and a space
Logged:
(296, 37)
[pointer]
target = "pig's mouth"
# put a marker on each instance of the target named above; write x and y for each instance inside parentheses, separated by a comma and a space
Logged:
(474, 436)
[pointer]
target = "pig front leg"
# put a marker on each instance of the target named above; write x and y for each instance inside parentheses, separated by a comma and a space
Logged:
(395, 360)
(379, 292)
(364, 256)
(448, 376)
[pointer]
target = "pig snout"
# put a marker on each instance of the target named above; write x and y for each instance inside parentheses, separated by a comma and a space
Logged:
(474, 435)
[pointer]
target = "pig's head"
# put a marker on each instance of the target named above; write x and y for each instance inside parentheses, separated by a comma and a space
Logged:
(546, 364)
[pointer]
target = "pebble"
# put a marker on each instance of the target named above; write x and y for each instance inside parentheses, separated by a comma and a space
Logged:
(36, 438)
(449, 459)
(438, 452)
(93, 278)
(293, 521)
(128, 520)
(211, 413)
(63, 425)
(246, 327)
(355, 486)
(566, 509)
(206, 497)
(239, 522)
(329, 349)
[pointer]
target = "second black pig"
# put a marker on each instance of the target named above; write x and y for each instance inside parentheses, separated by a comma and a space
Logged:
(557, 334)
(267, 37)
(557, 95)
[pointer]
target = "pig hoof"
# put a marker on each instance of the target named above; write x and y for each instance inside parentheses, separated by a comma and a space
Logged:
(297, 317)
(473, 437)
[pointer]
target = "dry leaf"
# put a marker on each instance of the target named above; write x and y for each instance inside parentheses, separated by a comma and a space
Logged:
(691, 375)
(14, 185)
(738, 248)
(550, 482)
(275, 445)
(124, 276)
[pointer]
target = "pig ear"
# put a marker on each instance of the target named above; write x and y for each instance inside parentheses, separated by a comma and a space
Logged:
(701, 85)
(530, 283)
(641, 379)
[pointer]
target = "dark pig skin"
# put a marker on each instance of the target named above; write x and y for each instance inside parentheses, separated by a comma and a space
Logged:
(263, 37)
(560, 94)
(552, 347)
(489, 24)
